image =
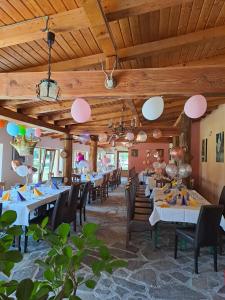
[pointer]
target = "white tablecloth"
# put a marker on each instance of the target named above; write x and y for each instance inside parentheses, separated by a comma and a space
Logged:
(150, 185)
(24, 208)
(96, 180)
(177, 213)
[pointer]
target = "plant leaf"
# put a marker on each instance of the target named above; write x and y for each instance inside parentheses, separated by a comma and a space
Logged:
(63, 230)
(15, 230)
(68, 287)
(104, 253)
(24, 289)
(90, 283)
(8, 217)
(78, 242)
(49, 275)
(90, 229)
(44, 222)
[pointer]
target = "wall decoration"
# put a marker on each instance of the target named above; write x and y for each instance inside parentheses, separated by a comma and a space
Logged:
(134, 152)
(220, 147)
(204, 150)
(160, 152)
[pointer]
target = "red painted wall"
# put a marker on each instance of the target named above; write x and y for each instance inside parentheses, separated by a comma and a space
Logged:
(137, 162)
(195, 151)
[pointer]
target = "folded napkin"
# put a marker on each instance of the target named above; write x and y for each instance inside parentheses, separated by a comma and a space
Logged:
(54, 186)
(192, 202)
(37, 193)
(20, 197)
(23, 188)
(6, 196)
(37, 184)
(184, 201)
(1, 192)
(173, 201)
(163, 205)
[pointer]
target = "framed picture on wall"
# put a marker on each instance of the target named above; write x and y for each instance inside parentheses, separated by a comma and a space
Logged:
(220, 147)
(204, 150)
(134, 152)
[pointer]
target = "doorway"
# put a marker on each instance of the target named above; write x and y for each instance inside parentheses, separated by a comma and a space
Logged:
(122, 162)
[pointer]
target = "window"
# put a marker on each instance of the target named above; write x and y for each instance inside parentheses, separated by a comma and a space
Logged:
(48, 163)
(122, 160)
(111, 156)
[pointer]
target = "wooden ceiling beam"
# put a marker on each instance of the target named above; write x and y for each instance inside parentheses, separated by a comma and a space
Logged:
(118, 9)
(213, 60)
(64, 106)
(99, 26)
(34, 29)
(20, 118)
(133, 110)
(208, 80)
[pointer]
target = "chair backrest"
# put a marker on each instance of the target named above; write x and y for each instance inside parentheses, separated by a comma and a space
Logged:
(84, 195)
(57, 179)
(222, 200)
(208, 225)
(76, 178)
(73, 197)
(57, 215)
(130, 203)
(131, 172)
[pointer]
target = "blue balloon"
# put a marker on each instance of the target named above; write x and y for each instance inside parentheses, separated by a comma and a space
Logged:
(12, 129)
(30, 132)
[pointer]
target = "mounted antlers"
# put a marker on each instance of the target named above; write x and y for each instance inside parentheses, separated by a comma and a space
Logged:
(110, 82)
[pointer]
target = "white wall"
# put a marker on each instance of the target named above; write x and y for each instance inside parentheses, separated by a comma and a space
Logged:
(212, 173)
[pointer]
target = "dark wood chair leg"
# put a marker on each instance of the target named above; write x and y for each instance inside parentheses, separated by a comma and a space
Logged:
(196, 253)
(25, 240)
(175, 247)
(215, 258)
(84, 211)
(75, 222)
(80, 216)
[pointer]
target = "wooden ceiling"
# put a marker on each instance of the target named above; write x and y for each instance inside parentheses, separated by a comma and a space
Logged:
(143, 34)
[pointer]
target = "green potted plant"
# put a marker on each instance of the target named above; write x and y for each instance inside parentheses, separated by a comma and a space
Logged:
(61, 265)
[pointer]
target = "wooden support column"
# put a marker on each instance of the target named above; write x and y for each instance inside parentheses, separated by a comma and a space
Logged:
(67, 168)
(185, 137)
(93, 153)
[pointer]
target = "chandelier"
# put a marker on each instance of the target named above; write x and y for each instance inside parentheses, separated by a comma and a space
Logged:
(48, 89)
(120, 129)
(24, 146)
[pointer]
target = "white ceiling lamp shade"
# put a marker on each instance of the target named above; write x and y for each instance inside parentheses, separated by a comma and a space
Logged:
(141, 137)
(153, 108)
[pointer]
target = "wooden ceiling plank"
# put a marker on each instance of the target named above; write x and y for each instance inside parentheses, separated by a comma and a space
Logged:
(33, 29)
(146, 49)
(20, 118)
(208, 80)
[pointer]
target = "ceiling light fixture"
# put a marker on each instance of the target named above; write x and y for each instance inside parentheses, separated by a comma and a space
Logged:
(48, 89)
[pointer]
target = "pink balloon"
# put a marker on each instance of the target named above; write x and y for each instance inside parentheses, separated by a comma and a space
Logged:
(37, 132)
(79, 157)
(80, 110)
(195, 107)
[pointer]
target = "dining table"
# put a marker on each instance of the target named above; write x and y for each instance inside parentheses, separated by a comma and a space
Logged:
(30, 201)
(95, 178)
(177, 212)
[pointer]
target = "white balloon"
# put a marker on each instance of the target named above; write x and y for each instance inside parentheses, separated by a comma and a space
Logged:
(141, 137)
(102, 137)
(130, 136)
(153, 108)
(184, 170)
(83, 164)
(22, 171)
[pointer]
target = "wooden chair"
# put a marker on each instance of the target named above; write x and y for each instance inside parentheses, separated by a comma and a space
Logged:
(205, 234)
(76, 178)
(112, 180)
(103, 188)
(133, 224)
(81, 206)
(56, 217)
(70, 210)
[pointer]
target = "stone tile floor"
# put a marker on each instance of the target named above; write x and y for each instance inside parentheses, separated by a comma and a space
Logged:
(151, 274)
